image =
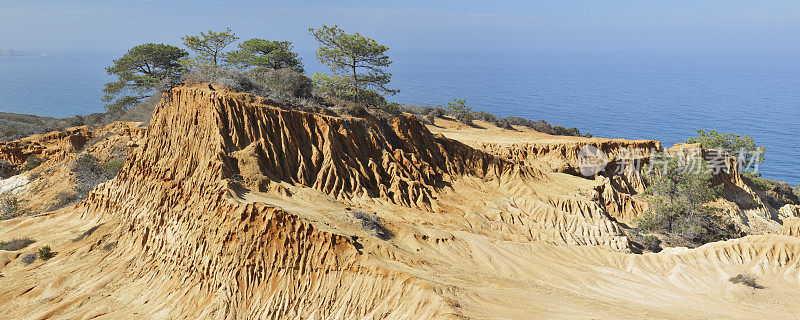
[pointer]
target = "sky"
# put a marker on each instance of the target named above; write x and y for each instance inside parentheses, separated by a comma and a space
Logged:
(755, 26)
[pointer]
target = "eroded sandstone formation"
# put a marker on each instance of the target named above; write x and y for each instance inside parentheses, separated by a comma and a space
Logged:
(229, 207)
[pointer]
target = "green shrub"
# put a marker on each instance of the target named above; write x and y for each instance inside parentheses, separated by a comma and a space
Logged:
(390, 108)
(64, 198)
(502, 123)
(45, 253)
(355, 110)
(283, 86)
(460, 111)
(430, 119)
(563, 131)
(678, 195)
(332, 86)
(228, 78)
(11, 134)
(340, 88)
(414, 109)
(777, 193)
(483, 116)
(87, 163)
(111, 168)
(499, 122)
(110, 246)
(651, 243)
(89, 174)
(796, 191)
(741, 146)
(139, 112)
(757, 180)
(372, 99)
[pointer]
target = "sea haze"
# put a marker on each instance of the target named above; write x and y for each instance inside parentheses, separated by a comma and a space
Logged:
(633, 96)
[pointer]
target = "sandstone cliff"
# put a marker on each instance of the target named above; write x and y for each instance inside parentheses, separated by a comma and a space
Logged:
(229, 207)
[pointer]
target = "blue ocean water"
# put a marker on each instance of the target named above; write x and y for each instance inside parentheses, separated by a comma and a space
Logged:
(633, 96)
(58, 85)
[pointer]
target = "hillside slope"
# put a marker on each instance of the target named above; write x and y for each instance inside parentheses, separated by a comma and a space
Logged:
(231, 208)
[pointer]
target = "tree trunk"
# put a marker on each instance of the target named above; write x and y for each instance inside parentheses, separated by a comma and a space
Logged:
(355, 82)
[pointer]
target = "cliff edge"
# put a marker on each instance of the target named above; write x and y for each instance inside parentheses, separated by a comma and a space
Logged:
(229, 207)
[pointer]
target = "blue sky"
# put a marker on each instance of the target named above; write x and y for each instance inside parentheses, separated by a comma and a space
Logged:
(414, 26)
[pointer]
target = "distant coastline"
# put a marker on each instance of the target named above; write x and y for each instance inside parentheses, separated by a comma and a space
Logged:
(19, 53)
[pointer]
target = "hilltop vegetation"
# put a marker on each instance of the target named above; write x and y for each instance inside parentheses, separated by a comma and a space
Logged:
(356, 86)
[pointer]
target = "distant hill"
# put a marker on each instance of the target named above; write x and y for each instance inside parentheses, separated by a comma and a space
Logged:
(18, 53)
(15, 126)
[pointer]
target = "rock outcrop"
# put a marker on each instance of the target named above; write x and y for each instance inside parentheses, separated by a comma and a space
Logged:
(229, 207)
(176, 199)
(177, 208)
(47, 145)
(43, 166)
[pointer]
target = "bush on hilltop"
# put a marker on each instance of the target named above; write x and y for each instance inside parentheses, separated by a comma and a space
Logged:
(740, 146)
(460, 111)
(286, 82)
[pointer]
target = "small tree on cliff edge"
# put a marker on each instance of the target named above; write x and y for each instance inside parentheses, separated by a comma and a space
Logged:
(346, 54)
(459, 109)
(139, 72)
(208, 47)
(740, 146)
(679, 198)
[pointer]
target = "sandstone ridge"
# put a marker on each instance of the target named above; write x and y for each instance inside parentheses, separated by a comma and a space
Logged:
(229, 207)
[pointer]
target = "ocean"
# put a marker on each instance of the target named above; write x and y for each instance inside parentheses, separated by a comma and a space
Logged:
(613, 95)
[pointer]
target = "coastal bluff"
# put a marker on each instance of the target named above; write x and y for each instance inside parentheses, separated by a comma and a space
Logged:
(232, 206)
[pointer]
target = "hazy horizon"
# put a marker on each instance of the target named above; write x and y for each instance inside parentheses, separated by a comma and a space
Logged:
(688, 27)
(634, 69)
